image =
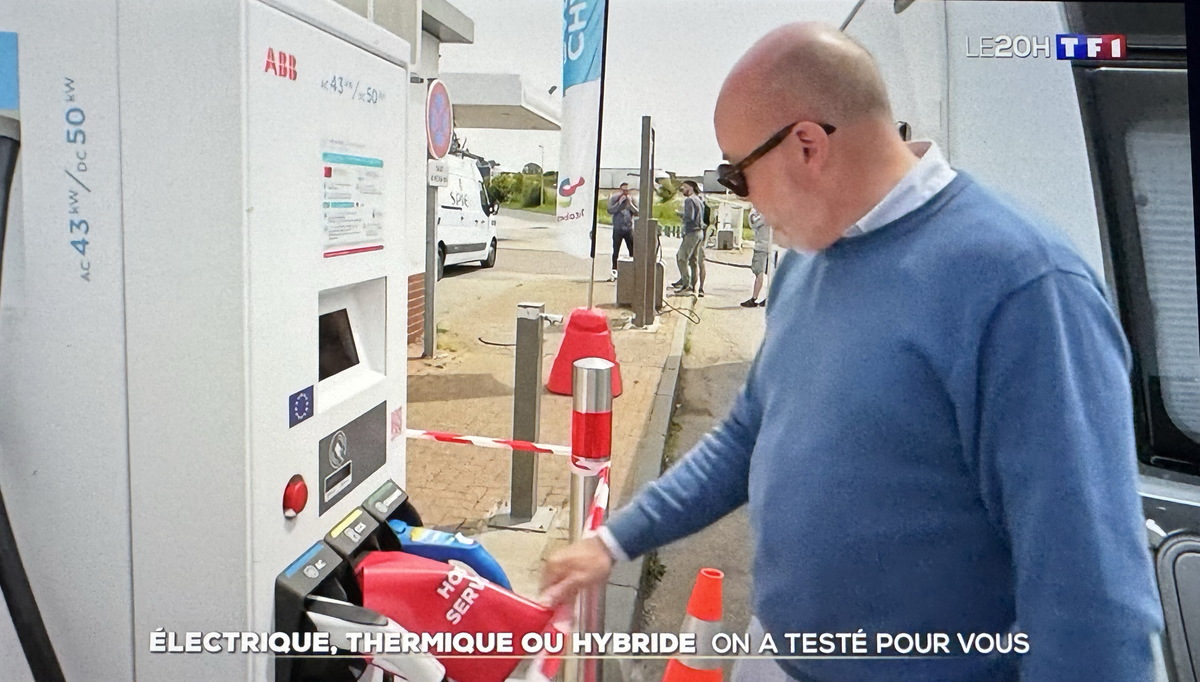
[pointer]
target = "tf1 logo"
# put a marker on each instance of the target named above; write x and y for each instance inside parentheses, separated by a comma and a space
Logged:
(1067, 46)
(1079, 46)
(281, 64)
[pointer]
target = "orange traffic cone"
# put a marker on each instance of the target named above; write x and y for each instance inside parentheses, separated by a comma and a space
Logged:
(703, 618)
(586, 336)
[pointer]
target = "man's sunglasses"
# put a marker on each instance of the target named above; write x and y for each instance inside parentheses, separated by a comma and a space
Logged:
(733, 175)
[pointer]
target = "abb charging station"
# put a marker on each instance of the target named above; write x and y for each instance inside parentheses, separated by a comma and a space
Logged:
(202, 320)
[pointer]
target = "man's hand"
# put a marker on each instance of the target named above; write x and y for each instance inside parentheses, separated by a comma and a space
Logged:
(584, 564)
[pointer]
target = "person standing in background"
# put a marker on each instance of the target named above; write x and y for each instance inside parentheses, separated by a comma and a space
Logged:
(693, 236)
(762, 249)
(622, 209)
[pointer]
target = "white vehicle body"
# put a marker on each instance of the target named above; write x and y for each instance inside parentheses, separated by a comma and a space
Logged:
(1014, 124)
(1091, 149)
(466, 229)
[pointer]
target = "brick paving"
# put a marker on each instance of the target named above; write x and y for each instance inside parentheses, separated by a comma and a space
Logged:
(467, 388)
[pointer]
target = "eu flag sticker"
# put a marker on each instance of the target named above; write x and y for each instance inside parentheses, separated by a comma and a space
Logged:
(300, 406)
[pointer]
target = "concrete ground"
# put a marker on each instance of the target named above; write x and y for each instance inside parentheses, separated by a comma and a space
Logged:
(467, 388)
(718, 355)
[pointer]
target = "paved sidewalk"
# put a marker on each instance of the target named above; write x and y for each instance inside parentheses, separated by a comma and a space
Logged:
(467, 388)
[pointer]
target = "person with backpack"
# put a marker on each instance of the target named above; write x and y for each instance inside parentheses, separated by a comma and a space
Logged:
(693, 237)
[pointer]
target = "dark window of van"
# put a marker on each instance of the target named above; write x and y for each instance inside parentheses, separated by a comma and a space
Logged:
(1136, 122)
(1160, 166)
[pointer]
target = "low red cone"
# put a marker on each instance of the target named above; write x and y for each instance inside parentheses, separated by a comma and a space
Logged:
(586, 336)
(703, 618)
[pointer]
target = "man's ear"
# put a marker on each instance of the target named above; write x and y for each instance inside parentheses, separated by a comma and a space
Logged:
(807, 139)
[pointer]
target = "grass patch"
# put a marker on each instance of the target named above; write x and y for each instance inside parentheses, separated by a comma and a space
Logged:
(671, 445)
(652, 574)
(602, 209)
(665, 213)
(548, 209)
(445, 341)
(547, 206)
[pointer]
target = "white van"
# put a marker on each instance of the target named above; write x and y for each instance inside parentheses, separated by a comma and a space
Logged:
(466, 218)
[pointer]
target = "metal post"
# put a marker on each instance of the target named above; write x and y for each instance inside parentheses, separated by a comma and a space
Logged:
(645, 237)
(431, 206)
(591, 450)
(523, 512)
(527, 394)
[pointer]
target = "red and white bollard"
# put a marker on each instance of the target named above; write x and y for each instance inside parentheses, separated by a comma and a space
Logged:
(591, 416)
(591, 451)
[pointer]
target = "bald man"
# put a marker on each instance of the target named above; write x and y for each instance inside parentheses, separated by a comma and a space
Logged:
(936, 435)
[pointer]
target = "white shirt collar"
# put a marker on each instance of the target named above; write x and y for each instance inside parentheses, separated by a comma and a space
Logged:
(930, 176)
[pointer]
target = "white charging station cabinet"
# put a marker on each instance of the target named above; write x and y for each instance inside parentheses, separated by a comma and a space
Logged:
(204, 294)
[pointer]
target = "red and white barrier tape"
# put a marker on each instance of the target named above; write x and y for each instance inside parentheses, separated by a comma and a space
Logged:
(480, 441)
(593, 467)
(581, 465)
(599, 505)
(544, 667)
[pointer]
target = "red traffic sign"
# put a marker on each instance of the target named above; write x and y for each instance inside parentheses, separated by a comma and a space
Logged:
(439, 120)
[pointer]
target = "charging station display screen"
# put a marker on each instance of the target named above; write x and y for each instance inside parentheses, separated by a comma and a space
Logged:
(338, 352)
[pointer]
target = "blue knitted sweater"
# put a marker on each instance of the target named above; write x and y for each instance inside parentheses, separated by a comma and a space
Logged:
(936, 437)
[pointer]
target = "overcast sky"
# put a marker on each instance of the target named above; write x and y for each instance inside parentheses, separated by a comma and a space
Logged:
(666, 59)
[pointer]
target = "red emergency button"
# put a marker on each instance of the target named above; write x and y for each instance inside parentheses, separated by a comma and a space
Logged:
(295, 496)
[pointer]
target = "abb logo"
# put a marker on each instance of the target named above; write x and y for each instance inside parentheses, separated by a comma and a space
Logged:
(281, 64)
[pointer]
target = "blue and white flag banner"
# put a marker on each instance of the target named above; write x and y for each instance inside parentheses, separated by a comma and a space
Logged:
(583, 57)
